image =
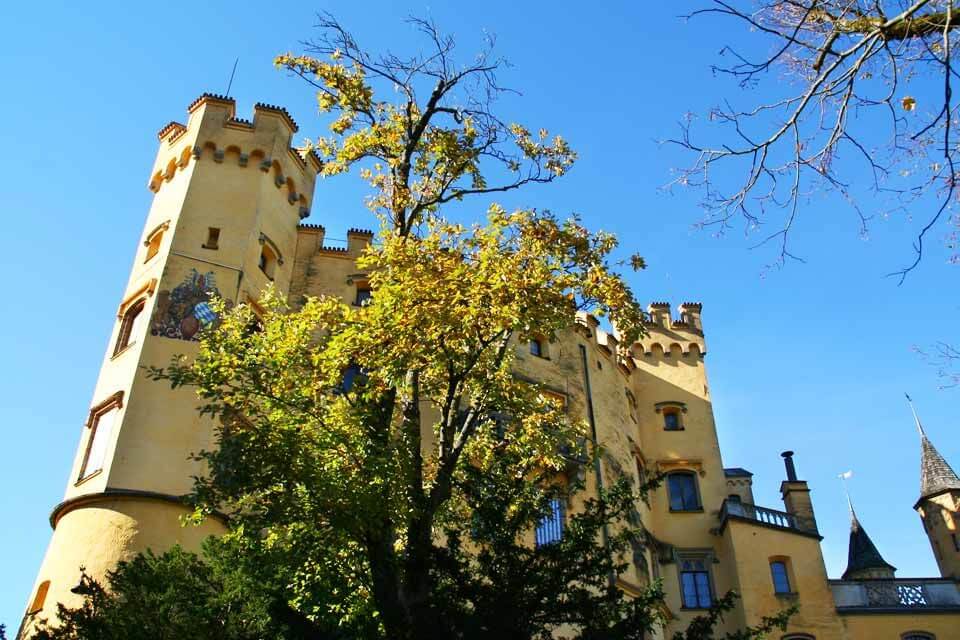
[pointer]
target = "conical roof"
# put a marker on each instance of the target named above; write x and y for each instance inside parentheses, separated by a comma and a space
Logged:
(862, 553)
(936, 476)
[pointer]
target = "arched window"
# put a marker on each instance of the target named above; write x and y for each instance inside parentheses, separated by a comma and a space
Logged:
(684, 495)
(799, 636)
(917, 635)
(39, 598)
(130, 326)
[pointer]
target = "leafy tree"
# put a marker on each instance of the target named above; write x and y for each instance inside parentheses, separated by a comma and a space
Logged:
(381, 466)
(869, 99)
(178, 595)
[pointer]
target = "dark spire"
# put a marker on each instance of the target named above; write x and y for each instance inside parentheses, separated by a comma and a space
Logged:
(936, 476)
(862, 555)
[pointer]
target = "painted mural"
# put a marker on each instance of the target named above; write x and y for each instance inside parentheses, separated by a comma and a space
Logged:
(181, 313)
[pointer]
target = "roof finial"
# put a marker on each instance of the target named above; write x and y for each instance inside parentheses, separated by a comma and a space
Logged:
(915, 416)
(846, 475)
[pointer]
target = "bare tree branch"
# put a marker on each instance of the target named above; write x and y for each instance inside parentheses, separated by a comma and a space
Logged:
(853, 63)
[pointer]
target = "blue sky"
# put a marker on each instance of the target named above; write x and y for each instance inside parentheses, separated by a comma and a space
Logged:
(813, 358)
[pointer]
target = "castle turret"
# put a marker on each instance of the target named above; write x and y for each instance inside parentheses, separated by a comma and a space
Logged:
(228, 197)
(864, 561)
(939, 504)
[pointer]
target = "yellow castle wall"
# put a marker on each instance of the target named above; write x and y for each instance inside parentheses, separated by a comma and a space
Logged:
(894, 626)
(941, 522)
(215, 172)
(243, 178)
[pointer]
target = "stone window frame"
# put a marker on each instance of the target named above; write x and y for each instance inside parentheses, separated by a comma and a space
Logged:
(111, 403)
(139, 296)
(672, 407)
(692, 473)
(125, 337)
(709, 558)
(154, 240)
(270, 259)
(39, 598)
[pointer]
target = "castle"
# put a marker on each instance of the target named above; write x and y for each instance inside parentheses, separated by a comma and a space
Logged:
(226, 220)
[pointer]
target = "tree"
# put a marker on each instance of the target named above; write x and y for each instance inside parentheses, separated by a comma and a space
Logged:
(870, 98)
(380, 466)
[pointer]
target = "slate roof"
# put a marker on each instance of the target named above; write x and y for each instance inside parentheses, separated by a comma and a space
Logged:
(862, 553)
(936, 475)
(737, 472)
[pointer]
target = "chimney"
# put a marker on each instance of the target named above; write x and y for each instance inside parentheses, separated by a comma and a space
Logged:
(796, 496)
(788, 463)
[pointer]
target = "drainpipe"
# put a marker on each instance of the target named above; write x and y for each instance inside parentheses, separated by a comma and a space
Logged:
(605, 533)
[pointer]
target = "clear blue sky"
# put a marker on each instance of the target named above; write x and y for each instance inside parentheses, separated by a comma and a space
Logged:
(814, 358)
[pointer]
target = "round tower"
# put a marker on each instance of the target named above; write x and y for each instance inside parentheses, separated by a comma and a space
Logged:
(229, 194)
(939, 503)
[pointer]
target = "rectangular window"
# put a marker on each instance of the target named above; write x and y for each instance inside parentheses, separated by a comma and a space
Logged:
(40, 598)
(671, 421)
(695, 583)
(363, 296)
(956, 541)
(682, 488)
(781, 581)
(213, 238)
(153, 245)
(550, 529)
(130, 326)
(101, 426)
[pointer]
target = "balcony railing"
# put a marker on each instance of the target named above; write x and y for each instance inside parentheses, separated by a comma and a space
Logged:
(769, 517)
(920, 593)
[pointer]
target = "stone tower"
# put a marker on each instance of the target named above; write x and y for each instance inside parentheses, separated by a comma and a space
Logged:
(939, 505)
(229, 195)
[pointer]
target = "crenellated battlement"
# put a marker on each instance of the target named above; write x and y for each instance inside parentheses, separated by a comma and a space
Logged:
(666, 338)
(672, 337)
(213, 132)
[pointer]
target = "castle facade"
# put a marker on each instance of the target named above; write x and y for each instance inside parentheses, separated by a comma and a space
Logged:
(226, 220)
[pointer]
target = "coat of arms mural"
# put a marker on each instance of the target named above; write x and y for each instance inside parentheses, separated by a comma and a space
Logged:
(181, 313)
